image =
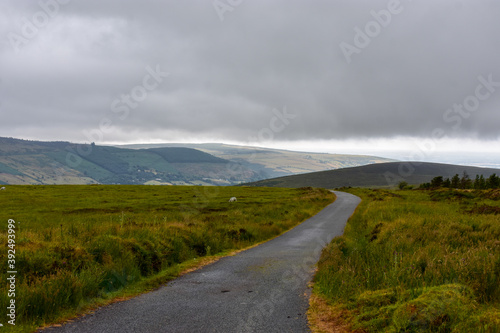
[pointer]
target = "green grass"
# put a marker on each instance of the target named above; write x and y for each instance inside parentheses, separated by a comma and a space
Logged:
(146, 160)
(88, 168)
(4, 168)
(78, 246)
(417, 261)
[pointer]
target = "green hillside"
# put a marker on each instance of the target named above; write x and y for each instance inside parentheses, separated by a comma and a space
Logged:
(34, 162)
(270, 163)
(185, 155)
(375, 175)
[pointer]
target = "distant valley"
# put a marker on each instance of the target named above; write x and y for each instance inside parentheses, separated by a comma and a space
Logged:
(271, 163)
(37, 162)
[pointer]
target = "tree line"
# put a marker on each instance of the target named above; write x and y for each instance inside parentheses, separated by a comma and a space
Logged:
(464, 182)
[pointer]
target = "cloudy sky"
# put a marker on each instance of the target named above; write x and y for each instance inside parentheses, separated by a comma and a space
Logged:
(337, 76)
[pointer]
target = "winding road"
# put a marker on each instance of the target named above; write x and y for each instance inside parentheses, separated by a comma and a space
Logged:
(262, 289)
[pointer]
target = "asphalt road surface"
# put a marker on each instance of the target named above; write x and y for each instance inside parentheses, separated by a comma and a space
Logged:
(263, 289)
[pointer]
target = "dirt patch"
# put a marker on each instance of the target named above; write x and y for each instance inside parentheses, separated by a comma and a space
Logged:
(324, 318)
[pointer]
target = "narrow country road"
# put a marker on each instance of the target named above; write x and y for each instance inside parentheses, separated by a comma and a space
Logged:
(263, 289)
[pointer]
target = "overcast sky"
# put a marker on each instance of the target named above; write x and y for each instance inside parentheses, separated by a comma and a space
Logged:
(274, 72)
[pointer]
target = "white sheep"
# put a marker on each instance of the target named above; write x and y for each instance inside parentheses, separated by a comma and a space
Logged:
(2, 188)
(233, 199)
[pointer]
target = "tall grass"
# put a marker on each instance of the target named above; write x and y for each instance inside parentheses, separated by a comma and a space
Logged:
(79, 243)
(417, 261)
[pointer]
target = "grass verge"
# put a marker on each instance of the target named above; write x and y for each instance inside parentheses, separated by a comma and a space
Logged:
(416, 261)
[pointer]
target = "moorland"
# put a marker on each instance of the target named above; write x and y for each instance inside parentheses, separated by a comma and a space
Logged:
(80, 246)
(379, 175)
(413, 261)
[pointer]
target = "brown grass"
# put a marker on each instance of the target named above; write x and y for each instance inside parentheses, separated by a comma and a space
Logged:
(324, 318)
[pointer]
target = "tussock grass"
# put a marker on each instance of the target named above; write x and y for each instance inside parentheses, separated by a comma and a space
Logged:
(417, 261)
(78, 246)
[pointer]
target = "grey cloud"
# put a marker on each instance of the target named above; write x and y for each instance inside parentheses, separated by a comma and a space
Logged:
(227, 76)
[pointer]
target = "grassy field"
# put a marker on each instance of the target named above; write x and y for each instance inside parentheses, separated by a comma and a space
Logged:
(413, 261)
(78, 246)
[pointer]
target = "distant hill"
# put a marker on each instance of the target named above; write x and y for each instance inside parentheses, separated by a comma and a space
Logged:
(270, 163)
(35, 162)
(375, 175)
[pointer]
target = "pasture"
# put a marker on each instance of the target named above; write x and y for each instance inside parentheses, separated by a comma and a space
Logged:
(79, 246)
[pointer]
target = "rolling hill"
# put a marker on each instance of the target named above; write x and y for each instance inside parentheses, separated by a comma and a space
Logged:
(375, 175)
(35, 162)
(270, 163)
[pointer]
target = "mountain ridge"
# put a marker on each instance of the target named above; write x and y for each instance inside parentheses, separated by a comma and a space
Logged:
(271, 162)
(376, 175)
(61, 162)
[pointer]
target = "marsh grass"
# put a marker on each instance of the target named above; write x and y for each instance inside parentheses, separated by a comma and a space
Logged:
(417, 261)
(78, 246)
